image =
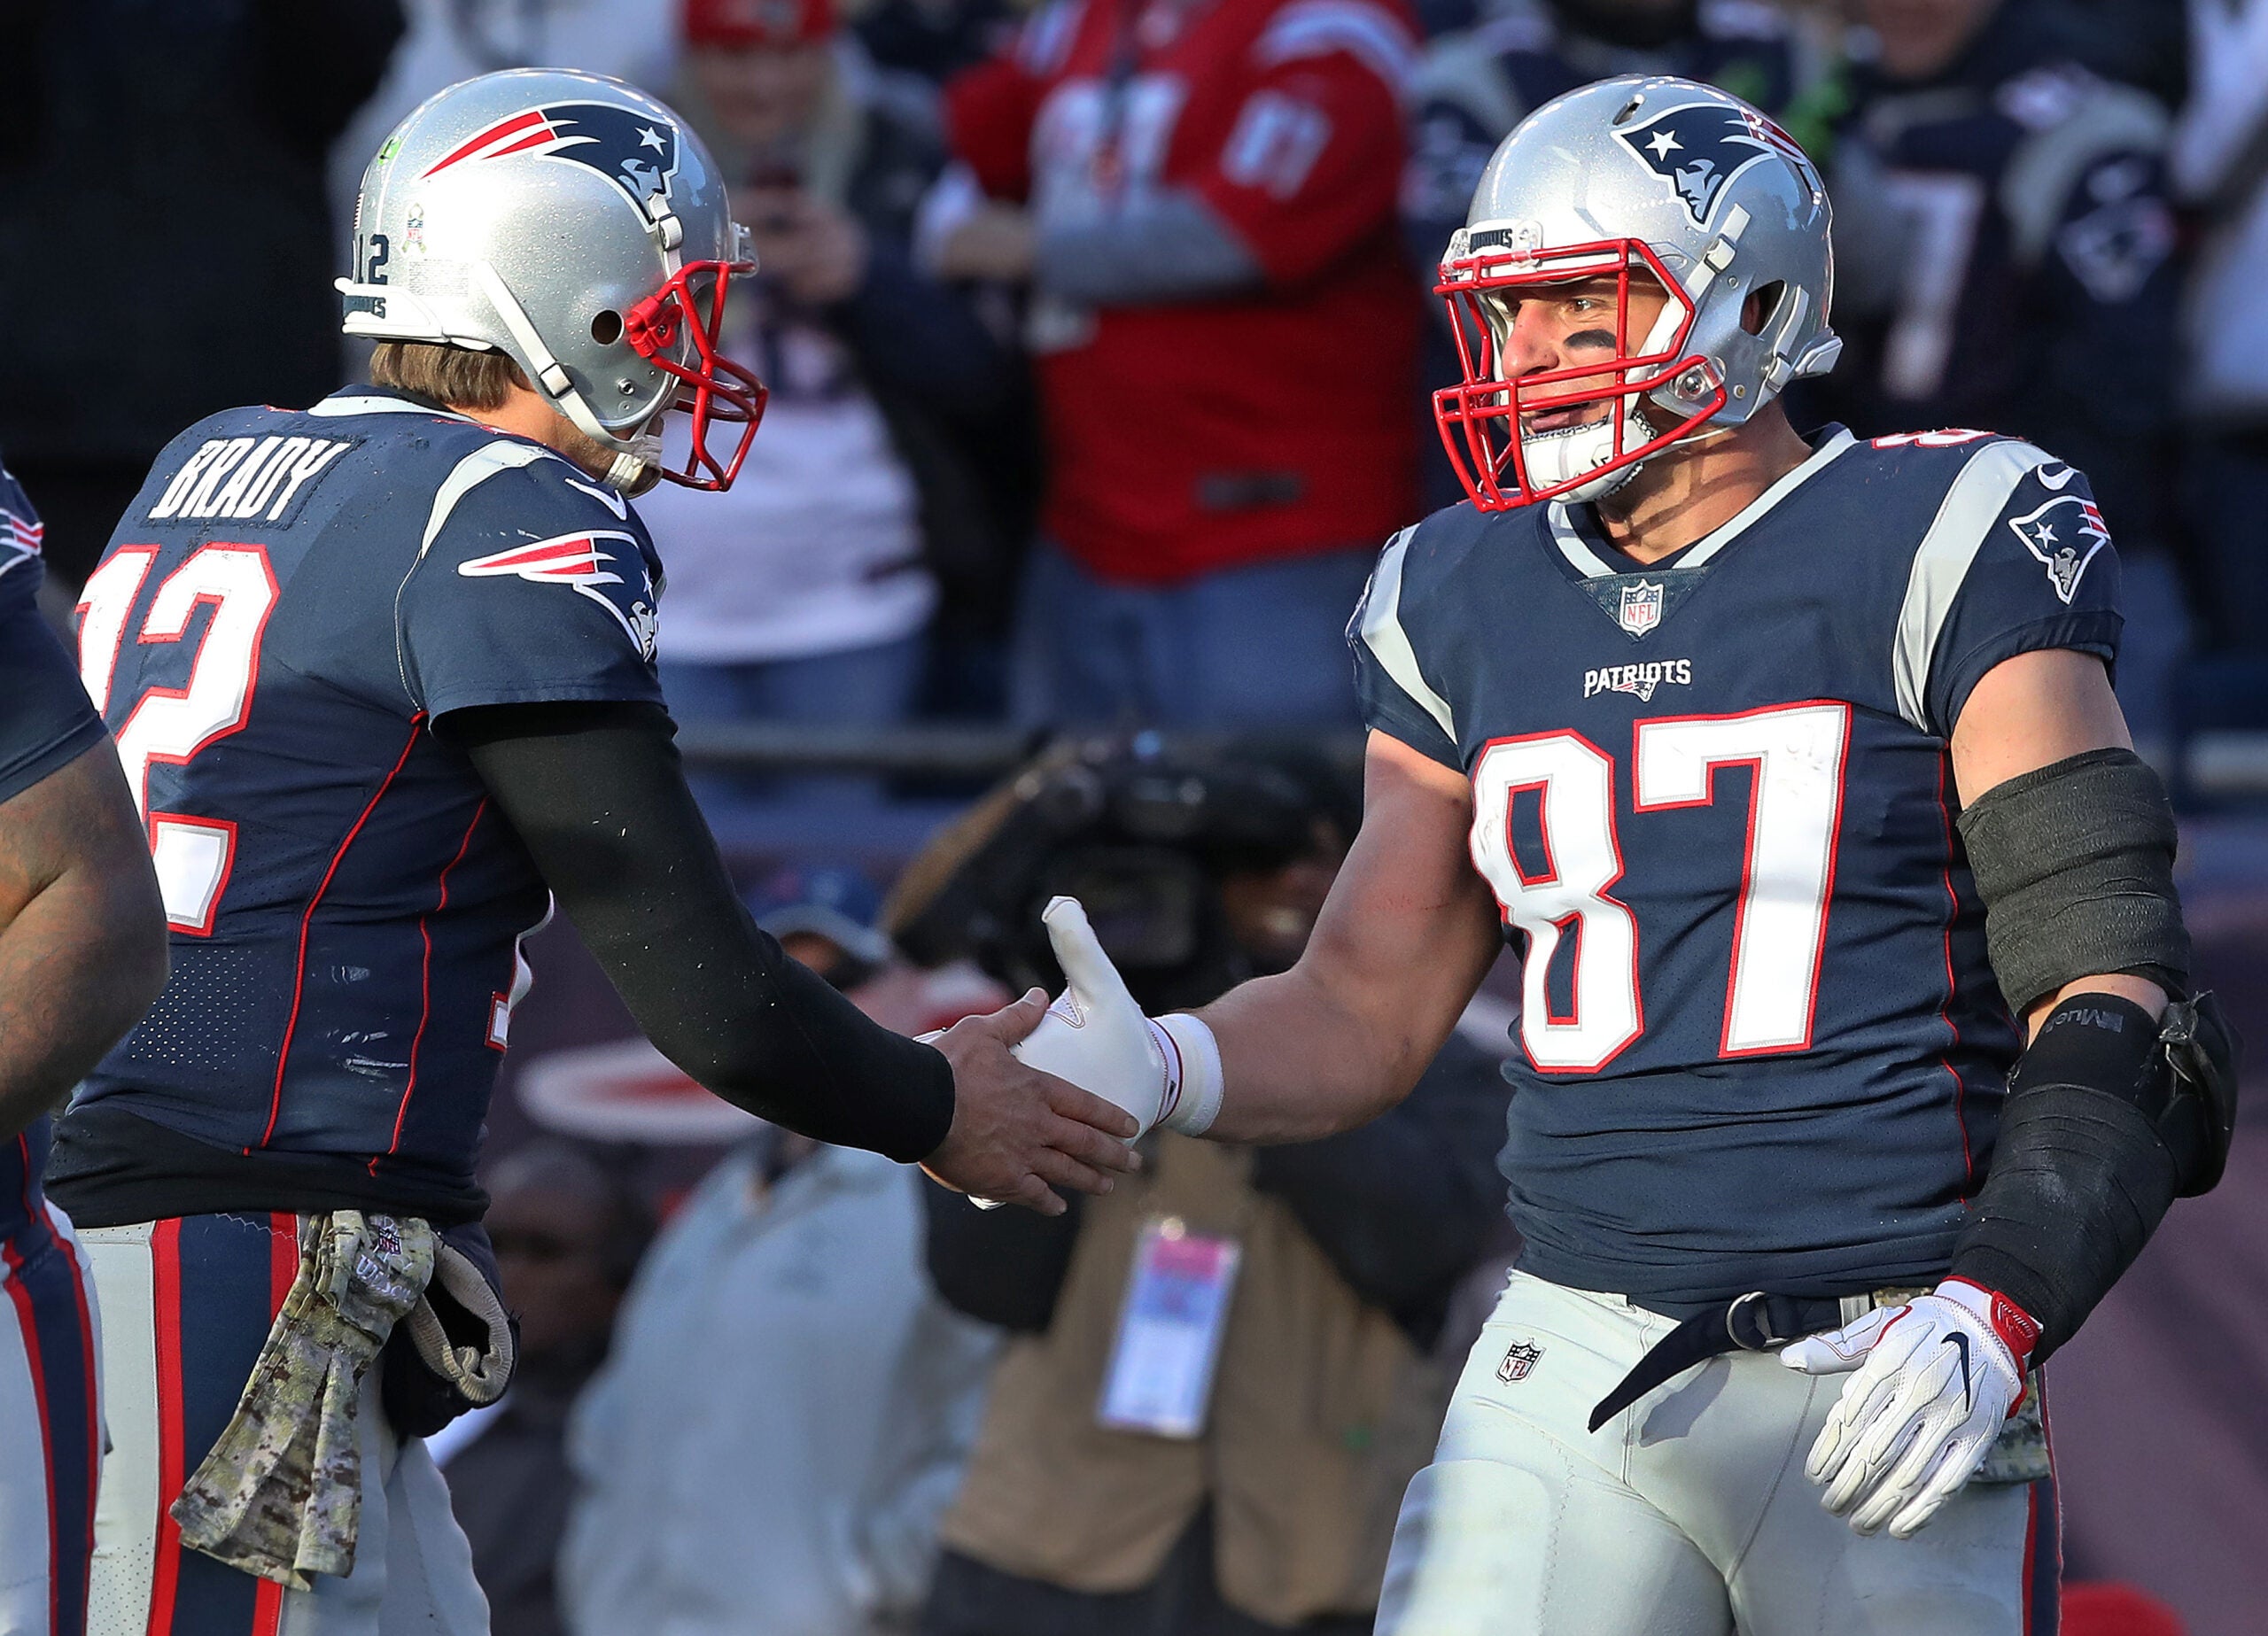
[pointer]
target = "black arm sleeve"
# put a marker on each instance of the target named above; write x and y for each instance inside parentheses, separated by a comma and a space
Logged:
(2104, 1126)
(596, 793)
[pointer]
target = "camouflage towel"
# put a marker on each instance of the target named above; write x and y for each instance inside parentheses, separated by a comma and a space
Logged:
(281, 1493)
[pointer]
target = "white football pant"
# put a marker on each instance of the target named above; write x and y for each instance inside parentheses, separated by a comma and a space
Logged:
(1687, 1515)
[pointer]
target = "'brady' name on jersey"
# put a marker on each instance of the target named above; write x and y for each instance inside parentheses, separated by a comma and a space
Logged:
(345, 898)
(1761, 1047)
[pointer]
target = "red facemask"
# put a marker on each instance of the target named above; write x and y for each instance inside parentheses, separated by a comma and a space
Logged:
(716, 390)
(1480, 419)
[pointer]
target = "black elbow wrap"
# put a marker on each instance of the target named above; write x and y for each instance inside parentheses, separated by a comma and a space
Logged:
(2075, 864)
(2109, 1116)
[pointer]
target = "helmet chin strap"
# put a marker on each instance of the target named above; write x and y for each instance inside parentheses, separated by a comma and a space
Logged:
(638, 473)
(1567, 452)
(637, 464)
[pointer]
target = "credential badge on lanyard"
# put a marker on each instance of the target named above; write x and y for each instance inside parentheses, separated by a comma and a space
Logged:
(1160, 1375)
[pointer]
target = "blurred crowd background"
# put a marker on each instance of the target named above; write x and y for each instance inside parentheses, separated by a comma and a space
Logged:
(1101, 346)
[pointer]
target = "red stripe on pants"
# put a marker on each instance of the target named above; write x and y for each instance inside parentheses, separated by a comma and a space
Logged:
(165, 1282)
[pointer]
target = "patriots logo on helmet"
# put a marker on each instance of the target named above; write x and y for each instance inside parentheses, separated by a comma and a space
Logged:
(2064, 534)
(583, 563)
(1700, 146)
(636, 152)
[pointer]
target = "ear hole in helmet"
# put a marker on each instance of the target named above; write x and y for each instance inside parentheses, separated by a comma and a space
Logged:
(1761, 310)
(606, 329)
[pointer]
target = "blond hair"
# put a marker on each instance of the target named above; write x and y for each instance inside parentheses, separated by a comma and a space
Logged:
(456, 376)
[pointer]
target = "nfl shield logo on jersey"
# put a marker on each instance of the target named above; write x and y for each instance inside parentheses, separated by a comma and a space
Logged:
(1519, 1359)
(1642, 607)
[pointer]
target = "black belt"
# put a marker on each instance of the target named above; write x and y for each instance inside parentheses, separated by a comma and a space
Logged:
(1751, 1323)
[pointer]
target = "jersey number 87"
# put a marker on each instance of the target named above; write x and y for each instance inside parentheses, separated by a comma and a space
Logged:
(1779, 928)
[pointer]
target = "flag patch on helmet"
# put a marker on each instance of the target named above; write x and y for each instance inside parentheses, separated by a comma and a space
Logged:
(583, 563)
(1697, 147)
(636, 152)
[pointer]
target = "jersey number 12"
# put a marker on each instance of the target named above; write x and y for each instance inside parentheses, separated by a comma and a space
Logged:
(171, 724)
(1795, 755)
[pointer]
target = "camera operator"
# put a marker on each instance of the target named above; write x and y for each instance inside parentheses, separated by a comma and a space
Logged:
(1218, 1383)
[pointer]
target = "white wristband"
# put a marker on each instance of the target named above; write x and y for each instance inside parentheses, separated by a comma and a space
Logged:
(1192, 1056)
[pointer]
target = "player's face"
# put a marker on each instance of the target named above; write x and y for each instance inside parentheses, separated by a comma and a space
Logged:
(1563, 326)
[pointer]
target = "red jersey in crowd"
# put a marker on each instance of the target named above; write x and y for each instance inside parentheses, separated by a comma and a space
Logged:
(1192, 435)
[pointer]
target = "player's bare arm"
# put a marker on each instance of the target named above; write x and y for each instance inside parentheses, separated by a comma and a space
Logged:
(2122, 1101)
(82, 934)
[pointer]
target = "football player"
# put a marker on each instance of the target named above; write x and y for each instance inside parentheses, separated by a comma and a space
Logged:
(382, 674)
(1859, 1052)
(83, 952)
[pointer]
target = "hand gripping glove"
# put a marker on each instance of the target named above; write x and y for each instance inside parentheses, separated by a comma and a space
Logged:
(1163, 1071)
(456, 1348)
(1935, 1380)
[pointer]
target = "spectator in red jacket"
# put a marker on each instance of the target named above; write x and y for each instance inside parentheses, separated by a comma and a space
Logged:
(1201, 194)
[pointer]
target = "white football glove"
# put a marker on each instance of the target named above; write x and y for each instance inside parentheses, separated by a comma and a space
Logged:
(1936, 1379)
(1163, 1071)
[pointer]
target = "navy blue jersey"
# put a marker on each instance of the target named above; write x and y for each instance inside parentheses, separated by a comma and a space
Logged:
(1761, 1047)
(289, 604)
(45, 723)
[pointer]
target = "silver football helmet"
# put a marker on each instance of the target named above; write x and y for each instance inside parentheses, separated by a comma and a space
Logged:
(579, 227)
(1644, 175)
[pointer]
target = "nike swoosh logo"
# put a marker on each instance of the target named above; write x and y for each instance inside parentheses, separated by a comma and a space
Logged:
(614, 501)
(1959, 1340)
(2060, 477)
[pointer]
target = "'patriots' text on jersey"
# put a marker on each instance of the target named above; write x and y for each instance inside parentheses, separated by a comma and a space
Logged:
(1761, 1047)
